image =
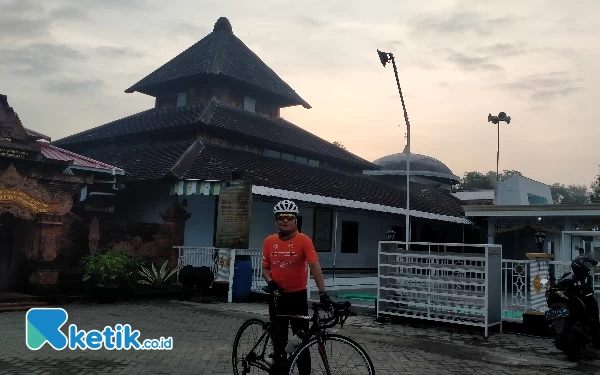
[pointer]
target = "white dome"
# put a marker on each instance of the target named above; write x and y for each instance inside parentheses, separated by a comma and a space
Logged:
(420, 165)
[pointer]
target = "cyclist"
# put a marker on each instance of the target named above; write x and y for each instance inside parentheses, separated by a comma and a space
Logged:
(285, 255)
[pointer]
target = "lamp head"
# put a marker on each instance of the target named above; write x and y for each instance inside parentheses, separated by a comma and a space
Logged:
(391, 234)
(383, 57)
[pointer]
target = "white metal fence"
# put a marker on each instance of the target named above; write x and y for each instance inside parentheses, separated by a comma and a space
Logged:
(222, 263)
(456, 283)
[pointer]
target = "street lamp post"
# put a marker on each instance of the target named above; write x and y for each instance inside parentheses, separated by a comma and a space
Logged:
(496, 120)
(386, 57)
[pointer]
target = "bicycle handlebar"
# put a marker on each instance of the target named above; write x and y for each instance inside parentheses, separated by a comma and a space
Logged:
(341, 312)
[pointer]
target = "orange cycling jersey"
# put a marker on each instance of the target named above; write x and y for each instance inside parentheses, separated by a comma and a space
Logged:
(287, 260)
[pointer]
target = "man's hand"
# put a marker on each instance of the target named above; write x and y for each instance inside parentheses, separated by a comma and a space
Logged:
(324, 298)
(274, 287)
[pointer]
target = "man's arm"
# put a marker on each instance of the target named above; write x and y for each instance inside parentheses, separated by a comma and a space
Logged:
(313, 262)
(267, 274)
(315, 269)
(266, 264)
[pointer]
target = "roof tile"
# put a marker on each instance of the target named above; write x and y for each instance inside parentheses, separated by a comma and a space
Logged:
(220, 53)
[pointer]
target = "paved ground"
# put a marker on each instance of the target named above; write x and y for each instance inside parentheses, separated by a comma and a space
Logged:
(203, 335)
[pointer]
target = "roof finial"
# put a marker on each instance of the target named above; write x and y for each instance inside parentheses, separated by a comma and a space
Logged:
(223, 24)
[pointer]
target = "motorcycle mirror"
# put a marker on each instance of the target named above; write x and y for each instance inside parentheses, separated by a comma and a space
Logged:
(544, 281)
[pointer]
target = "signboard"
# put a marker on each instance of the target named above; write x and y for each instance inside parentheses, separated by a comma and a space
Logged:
(25, 200)
(233, 220)
(12, 153)
(323, 222)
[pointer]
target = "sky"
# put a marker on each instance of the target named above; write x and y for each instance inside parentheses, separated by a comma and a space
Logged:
(65, 64)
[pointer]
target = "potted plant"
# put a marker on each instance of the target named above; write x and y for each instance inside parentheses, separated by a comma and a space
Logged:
(110, 274)
(157, 279)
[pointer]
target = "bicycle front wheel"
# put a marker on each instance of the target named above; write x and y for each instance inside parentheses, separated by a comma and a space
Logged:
(335, 355)
(251, 347)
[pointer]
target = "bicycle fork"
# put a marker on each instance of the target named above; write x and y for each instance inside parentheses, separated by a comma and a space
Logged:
(323, 354)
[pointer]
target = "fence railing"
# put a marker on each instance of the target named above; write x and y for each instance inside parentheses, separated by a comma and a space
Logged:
(517, 279)
(222, 263)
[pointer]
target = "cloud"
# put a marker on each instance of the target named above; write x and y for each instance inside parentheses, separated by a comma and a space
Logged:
(21, 7)
(72, 86)
(196, 32)
(545, 87)
(443, 84)
(69, 13)
(504, 49)
(115, 52)
(457, 23)
(17, 28)
(38, 59)
(471, 63)
(307, 21)
(137, 5)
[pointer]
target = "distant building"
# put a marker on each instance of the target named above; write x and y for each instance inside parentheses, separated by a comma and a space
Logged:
(514, 191)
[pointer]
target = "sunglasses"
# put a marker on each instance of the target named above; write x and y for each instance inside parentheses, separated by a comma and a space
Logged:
(282, 217)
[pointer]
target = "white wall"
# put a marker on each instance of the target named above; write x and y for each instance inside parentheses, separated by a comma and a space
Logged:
(199, 228)
(371, 229)
(514, 191)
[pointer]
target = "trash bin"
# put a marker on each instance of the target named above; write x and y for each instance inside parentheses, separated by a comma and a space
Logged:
(242, 279)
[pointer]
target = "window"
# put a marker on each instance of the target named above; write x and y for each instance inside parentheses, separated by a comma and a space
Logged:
(273, 154)
(249, 104)
(313, 163)
(181, 99)
(288, 157)
(349, 237)
(536, 199)
(301, 160)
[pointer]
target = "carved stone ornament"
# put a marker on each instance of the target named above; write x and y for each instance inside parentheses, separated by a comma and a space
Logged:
(25, 198)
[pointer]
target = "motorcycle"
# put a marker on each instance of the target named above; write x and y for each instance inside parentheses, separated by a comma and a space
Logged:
(573, 309)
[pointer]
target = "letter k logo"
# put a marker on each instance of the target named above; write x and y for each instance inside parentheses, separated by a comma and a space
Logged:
(43, 325)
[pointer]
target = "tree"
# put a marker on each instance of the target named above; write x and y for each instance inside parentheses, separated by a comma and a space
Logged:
(595, 194)
(478, 180)
(475, 180)
(339, 144)
(571, 194)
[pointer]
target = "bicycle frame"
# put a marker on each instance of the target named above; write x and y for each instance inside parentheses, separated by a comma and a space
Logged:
(318, 329)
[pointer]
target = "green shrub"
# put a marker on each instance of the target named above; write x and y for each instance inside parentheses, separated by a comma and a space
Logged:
(112, 269)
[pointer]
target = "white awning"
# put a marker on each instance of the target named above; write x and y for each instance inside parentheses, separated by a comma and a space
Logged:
(196, 187)
(338, 202)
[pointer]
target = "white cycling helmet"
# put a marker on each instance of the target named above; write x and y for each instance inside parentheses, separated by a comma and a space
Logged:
(286, 206)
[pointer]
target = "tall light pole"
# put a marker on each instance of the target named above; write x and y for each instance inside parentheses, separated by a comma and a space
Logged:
(386, 57)
(496, 120)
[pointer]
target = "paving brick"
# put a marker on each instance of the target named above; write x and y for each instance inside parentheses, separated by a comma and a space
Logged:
(203, 336)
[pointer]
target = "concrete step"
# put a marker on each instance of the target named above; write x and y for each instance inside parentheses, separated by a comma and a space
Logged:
(21, 306)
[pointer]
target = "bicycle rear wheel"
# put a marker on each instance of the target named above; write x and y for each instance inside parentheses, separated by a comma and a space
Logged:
(337, 355)
(251, 346)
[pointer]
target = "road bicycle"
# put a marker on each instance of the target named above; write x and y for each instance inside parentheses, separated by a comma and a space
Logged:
(257, 357)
